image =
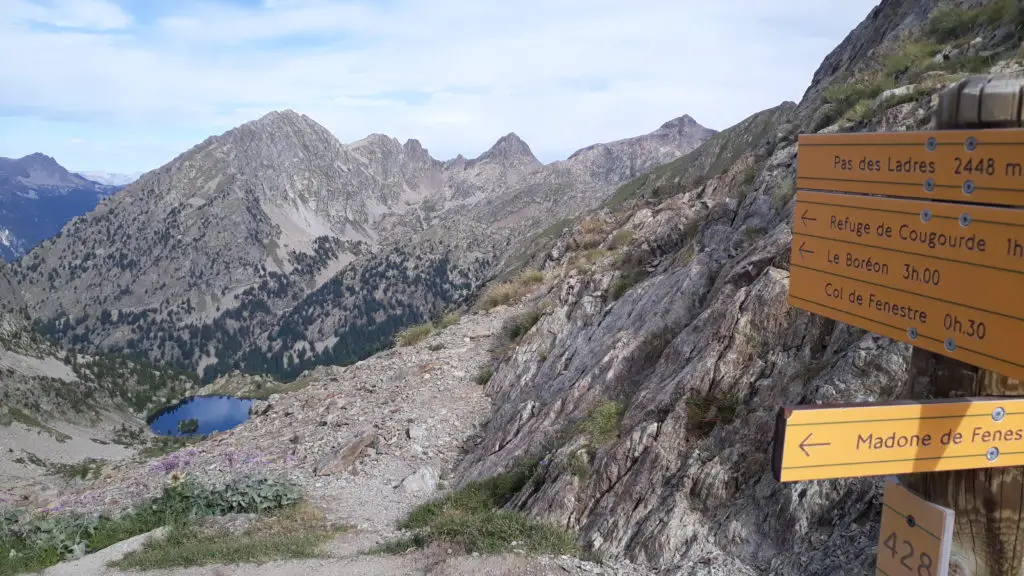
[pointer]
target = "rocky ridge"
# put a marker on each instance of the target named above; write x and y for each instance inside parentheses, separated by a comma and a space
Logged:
(227, 254)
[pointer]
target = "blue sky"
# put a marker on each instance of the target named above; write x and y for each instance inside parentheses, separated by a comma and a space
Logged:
(126, 85)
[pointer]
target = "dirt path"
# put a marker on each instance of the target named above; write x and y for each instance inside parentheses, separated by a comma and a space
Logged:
(345, 559)
(414, 407)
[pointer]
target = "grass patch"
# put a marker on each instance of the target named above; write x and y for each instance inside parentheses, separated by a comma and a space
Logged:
(706, 412)
(783, 193)
(632, 272)
(448, 321)
(471, 520)
(82, 470)
(517, 327)
(484, 375)
(34, 543)
(414, 334)
(602, 422)
(505, 292)
(593, 255)
(845, 96)
(579, 464)
(949, 23)
(294, 532)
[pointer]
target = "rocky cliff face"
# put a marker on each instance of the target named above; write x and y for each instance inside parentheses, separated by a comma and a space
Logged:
(261, 248)
(649, 378)
(37, 198)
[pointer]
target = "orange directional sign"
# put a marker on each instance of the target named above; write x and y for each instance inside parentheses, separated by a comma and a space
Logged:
(841, 441)
(949, 282)
(978, 166)
(916, 536)
(978, 235)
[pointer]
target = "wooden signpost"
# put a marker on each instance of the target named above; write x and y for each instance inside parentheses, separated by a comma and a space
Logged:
(915, 536)
(919, 236)
(941, 276)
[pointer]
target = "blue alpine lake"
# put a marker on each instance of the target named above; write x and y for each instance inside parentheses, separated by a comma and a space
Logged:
(214, 414)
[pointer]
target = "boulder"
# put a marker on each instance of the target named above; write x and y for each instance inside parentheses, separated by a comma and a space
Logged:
(344, 457)
(422, 480)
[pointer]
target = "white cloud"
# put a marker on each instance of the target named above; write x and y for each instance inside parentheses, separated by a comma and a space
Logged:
(92, 14)
(454, 74)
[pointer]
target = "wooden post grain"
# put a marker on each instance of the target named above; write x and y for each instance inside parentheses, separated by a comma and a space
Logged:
(988, 538)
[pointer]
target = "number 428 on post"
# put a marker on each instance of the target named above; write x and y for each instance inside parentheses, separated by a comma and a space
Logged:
(915, 537)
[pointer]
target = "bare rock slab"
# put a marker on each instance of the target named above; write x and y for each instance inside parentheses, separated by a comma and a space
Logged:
(422, 480)
(346, 456)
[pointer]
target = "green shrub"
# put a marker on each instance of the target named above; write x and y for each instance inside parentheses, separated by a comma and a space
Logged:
(706, 412)
(601, 424)
(414, 334)
(913, 60)
(579, 464)
(505, 292)
(517, 327)
(484, 375)
(632, 272)
(40, 541)
(448, 321)
(845, 96)
(948, 23)
(83, 470)
(783, 193)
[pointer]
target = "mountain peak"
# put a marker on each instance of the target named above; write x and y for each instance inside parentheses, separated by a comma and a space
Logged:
(287, 114)
(681, 123)
(280, 120)
(39, 160)
(378, 140)
(510, 150)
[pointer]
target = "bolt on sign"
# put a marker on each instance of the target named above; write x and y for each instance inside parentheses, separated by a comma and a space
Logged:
(942, 276)
(916, 536)
(821, 442)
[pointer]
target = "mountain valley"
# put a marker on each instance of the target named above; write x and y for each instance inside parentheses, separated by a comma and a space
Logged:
(379, 230)
(486, 365)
